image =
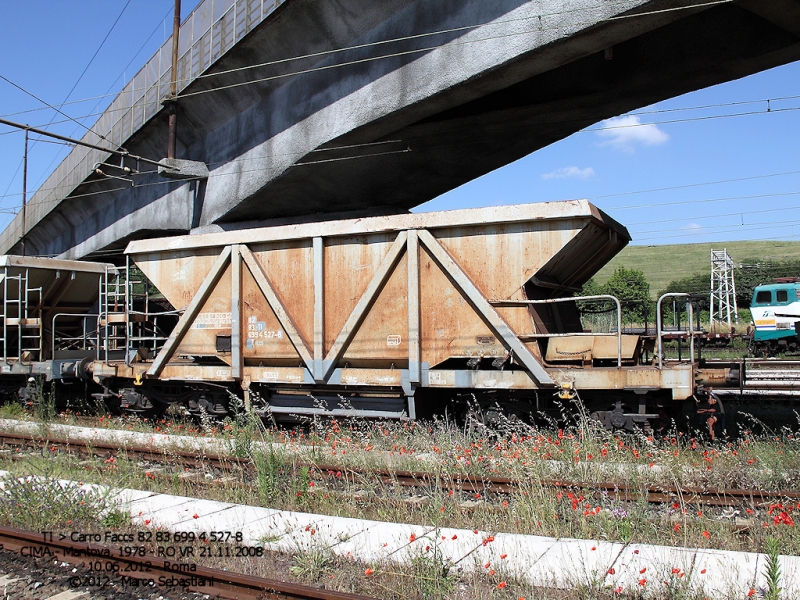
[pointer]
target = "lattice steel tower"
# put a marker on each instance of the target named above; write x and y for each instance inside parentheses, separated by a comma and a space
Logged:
(723, 290)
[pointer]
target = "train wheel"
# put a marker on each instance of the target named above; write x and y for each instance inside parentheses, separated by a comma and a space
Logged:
(132, 401)
(206, 407)
(10, 389)
(620, 416)
(613, 418)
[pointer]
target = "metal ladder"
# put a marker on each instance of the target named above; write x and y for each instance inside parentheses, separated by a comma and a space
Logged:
(143, 331)
(112, 330)
(128, 320)
(23, 314)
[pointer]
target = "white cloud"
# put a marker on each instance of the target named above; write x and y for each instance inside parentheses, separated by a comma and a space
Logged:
(569, 173)
(624, 133)
(694, 228)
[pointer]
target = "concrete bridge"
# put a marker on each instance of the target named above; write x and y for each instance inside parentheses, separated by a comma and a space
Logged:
(309, 110)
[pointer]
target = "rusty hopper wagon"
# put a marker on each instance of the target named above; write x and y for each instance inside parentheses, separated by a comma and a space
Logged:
(392, 316)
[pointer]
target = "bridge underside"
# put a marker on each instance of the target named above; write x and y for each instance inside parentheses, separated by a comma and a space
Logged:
(382, 136)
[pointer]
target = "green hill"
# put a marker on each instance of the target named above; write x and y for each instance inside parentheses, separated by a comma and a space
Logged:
(662, 264)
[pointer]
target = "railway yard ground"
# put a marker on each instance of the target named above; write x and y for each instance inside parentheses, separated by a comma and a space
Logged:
(614, 491)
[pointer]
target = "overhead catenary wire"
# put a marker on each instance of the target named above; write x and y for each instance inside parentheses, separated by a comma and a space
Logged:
(47, 170)
(108, 93)
(704, 200)
(737, 213)
(35, 97)
(768, 101)
(639, 14)
(108, 110)
(595, 197)
(723, 227)
(80, 77)
(713, 231)
(89, 64)
(100, 47)
(599, 129)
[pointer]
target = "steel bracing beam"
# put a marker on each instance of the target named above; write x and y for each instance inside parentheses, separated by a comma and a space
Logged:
(236, 312)
(414, 349)
(277, 307)
(485, 310)
(189, 315)
(319, 309)
(365, 302)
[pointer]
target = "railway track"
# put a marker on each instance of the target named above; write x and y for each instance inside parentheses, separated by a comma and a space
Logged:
(214, 582)
(719, 497)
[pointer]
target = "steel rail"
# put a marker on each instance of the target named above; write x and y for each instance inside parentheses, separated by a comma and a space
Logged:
(453, 481)
(224, 584)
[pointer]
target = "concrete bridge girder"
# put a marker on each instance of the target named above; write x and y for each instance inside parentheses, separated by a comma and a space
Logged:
(382, 136)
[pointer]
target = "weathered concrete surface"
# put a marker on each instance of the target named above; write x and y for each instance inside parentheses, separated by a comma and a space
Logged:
(354, 135)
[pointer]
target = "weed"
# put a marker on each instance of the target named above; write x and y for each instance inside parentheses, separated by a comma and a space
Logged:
(578, 451)
(772, 568)
(31, 502)
(115, 519)
(268, 466)
(12, 409)
(432, 574)
(44, 401)
(311, 564)
(300, 484)
(242, 426)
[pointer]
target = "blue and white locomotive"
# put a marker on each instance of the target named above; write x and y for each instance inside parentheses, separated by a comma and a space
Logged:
(776, 315)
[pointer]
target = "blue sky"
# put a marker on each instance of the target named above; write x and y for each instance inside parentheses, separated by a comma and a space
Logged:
(720, 179)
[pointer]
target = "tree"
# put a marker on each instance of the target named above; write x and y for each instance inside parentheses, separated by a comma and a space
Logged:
(633, 291)
(592, 288)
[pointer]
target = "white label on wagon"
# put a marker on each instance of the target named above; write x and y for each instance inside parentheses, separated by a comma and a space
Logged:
(435, 378)
(393, 340)
(219, 320)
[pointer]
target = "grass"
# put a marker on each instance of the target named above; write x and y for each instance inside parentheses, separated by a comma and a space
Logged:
(577, 452)
(663, 264)
(580, 453)
(33, 501)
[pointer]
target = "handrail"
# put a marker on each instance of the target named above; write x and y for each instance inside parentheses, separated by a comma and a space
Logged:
(573, 299)
(78, 315)
(660, 332)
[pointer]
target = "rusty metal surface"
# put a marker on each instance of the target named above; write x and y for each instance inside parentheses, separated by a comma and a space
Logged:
(72, 282)
(540, 211)
(335, 295)
(679, 379)
(590, 347)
